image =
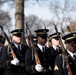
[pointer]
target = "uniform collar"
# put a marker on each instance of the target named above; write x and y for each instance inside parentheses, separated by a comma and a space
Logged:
(40, 46)
(70, 53)
(17, 45)
(54, 47)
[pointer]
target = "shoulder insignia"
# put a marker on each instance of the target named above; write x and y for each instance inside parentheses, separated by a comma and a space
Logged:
(56, 68)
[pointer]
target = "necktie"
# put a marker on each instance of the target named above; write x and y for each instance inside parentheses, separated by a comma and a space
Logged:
(74, 56)
(57, 50)
(43, 49)
(19, 48)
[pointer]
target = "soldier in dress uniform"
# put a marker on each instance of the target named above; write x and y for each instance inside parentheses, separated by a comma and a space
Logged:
(61, 68)
(38, 58)
(55, 47)
(2, 42)
(14, 65)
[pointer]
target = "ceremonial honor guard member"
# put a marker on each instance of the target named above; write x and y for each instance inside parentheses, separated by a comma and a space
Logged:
(65, 63)
(55, 47)
(38, 58)
(13, 60)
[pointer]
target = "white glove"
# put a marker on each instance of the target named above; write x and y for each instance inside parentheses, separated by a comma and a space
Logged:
(50, 68)
(39, 68)
(15, 61)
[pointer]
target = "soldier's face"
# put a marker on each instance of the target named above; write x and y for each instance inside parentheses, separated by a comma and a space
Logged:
(54, 41)
(41, 41)
(74, 45)
(70, 47)
(16, 39)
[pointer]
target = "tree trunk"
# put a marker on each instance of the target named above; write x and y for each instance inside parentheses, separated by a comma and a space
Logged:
(19, 15)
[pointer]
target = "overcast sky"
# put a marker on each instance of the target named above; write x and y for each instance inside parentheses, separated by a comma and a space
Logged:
(39, 9)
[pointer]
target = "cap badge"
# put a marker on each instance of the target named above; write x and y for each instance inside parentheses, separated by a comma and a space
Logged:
(74, 35)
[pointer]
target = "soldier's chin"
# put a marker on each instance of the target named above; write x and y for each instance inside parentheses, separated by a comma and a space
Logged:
(44, 43)
(19, 42)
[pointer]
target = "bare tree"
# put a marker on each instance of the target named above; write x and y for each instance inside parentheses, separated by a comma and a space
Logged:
(62, 11)
(5, 20)
(2, 1)
(71, 26)
(33, 23)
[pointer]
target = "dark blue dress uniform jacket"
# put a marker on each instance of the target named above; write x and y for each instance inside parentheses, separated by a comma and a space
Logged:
(6, 59)
(54, 53)
(60, 65)
(45, 59)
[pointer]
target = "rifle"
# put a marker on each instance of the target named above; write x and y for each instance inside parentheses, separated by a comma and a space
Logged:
(9, 43)
(63, 52)
(33, 46)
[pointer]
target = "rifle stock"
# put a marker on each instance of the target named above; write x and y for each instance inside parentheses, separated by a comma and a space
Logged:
(9, 43)
(35, 53)
(33, 46)
(36, 57)
(63, 52)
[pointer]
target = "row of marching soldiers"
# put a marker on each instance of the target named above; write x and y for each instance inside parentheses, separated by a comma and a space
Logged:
(38, 58)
